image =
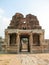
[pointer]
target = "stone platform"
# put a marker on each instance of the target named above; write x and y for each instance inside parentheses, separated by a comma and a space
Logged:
(24, 59)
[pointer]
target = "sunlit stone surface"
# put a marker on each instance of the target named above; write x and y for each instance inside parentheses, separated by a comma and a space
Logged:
(24, 59)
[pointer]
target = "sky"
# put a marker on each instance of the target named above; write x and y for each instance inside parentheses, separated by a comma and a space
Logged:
(39, 8)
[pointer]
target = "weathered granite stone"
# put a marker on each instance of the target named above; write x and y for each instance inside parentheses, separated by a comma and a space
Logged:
(29, 22)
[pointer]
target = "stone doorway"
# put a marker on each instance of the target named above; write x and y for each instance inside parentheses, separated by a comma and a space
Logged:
(24, 43)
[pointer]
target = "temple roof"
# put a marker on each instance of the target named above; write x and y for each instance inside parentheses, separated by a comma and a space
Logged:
(20, 22)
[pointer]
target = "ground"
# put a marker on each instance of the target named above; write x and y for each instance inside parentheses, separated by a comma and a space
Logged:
(24, 59)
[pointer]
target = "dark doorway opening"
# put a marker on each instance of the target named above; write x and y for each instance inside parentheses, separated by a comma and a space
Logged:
(36, 39)
(24, 43)
(12, 39)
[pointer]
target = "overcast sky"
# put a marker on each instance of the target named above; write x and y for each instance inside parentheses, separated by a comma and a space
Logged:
(39, 8)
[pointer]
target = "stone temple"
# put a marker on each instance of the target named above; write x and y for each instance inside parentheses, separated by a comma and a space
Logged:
(24, 34)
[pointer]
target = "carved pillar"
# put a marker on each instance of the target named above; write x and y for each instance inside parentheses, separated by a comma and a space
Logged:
(8, 39)
(41, 39)
(42, 42)
(16, 39)
(31, 42)
(18, 43)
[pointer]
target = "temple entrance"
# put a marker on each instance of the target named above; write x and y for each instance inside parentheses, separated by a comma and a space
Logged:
(24, 43)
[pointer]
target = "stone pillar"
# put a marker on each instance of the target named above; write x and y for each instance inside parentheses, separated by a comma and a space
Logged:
(18, 43)
(41, 39)
(8, 39)
(16, 39)
(31, 42)
(42, 43)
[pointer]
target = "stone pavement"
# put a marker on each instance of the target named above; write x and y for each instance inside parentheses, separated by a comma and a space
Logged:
(24, 59)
